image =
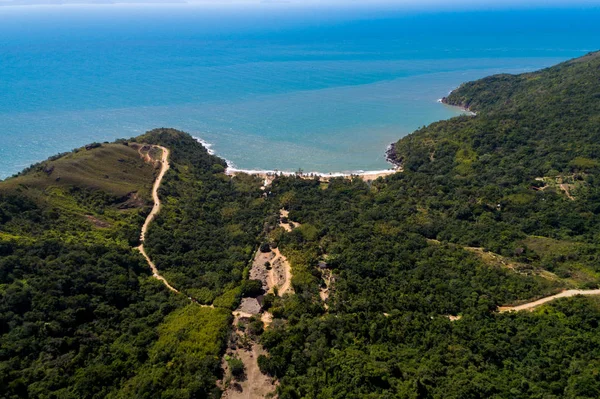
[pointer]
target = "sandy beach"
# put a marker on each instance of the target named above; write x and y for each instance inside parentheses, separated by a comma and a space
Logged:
(269, 175)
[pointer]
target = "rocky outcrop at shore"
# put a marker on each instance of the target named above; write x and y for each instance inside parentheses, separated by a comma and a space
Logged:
(457, 98)
(451, 101)
(392, 157)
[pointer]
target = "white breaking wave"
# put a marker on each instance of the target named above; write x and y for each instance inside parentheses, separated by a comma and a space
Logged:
(232, 169)
(206, 145)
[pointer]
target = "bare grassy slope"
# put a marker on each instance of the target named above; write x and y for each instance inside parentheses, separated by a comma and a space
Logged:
(116, 169)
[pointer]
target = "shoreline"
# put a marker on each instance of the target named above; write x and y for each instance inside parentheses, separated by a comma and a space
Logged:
(444, 100)
(270, 174)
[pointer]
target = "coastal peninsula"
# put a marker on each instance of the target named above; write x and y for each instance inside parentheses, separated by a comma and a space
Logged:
(470, 270)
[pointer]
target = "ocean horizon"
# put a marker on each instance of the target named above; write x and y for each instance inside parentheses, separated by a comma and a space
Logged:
(322, 90)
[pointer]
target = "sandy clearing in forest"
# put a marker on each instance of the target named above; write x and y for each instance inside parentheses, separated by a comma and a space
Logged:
(259, 269)
(280, 275)
(255, 384)
(534, 304)
(325, 291)
(287, 226)
(274, 271)
(566, 188)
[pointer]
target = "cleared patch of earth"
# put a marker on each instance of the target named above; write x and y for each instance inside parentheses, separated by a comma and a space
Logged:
(252, 384)
(273, 270)
(326, 290)
(97, 222)
(285, 222)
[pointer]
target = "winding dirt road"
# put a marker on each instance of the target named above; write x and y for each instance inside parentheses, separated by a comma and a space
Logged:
(534, 304)
(155, 209)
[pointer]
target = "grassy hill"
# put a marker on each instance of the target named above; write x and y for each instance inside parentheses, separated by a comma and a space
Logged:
(116, 169)
(100, 191)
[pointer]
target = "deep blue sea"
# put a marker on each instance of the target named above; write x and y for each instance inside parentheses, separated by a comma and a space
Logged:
(321, 89)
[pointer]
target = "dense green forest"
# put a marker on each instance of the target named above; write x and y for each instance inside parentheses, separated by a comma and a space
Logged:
(80, 314)
(208, 228)
(490, 210)
(517, 182)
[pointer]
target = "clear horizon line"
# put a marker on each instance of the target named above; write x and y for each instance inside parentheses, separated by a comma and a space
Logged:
(410, 5)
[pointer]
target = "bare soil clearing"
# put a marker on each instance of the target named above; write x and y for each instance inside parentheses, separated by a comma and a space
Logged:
(253, 384)
(259, 270)
(280, 275)
(325, 291)
(287, 226)
(277, 275)
(565, 183)
(274, 271)
(566, 188)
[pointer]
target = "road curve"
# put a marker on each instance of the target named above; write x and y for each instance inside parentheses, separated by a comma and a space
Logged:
(534, 304)
(155, 209)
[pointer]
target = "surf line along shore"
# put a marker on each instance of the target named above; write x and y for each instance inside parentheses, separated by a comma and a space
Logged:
(269, 175)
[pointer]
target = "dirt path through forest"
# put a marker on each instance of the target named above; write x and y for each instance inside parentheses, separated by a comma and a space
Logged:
(534, 304)
(155, 209)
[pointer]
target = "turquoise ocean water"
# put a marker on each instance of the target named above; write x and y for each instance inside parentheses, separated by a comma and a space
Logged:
(320, 89)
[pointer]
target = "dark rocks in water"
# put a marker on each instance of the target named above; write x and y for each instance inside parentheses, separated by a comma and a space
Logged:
(392, 157)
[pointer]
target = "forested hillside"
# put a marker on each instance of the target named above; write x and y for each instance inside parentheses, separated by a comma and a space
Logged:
(490, 210)
(80, 314)
(208, 229)
(397, 282)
